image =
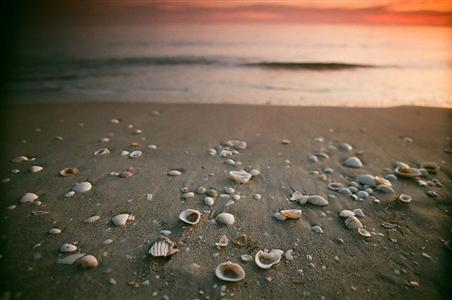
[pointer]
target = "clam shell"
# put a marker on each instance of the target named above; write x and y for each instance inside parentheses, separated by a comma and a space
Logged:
(92, 220)
(265, 260)
(229, 271)
(54, 231)
(431, 167)
(70, 259)
(88, 262)
(163, 247)
(335, 186)
(209, 201)
(353, 162)
(317, 200)
(28, 198)
(405, 198)
(407, 172)
(121, 219)
(188, 195)
(317, 229)
(36, 169)
(382, 181)
(293, 214)
(223, 242)
(135, 154)
(363, 232)
(345, 147)
(102, 151)
(190, 216)
(19, 159)
(345, 213)
(68, 172)
(174, 173)
(225, 219)
(68, 248)
(240, 176)
(352, 222)
(82, 187)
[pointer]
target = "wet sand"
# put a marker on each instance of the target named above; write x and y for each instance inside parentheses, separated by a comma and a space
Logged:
(380, 267)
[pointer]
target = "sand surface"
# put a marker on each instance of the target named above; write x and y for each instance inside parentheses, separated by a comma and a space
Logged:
(379, 267)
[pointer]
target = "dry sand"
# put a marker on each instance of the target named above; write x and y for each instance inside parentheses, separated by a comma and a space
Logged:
(376, 268)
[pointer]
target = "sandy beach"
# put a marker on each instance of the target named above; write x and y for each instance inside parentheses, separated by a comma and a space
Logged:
(407, 259)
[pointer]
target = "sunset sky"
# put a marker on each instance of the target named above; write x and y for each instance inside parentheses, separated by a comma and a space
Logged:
(404, 12)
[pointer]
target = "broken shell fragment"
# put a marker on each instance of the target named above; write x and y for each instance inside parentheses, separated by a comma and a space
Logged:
(36, 169)
(405, 198)
(70, 259)
(28, 198)
(223, 242)
(102, 151)
(317, 200)
(82, 187)
(229, 271)
(225, 219)
(265, 260)
(68, 172)
(88, 262)
(121, 219)
(352, 222)
(68, 248)
(293, 214)
(163, 247)
(407, 172)
(190, 216)
(353, 162)
(240, 176)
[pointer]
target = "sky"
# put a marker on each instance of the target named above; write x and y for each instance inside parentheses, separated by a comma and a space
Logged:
(382, 12)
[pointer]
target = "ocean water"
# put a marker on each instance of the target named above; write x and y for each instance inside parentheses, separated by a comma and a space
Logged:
(279, 64)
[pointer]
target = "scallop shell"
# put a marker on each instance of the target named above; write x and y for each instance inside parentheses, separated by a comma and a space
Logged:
(345, 213)
(407, 172)
(68, 172)
(293, 214)
(82, 187)
(223, 242)
(265, 260)
(229, 271)
(335, 186)
(102, 151)
(28, 198)
(88, 262)
(240, 176)
(121, 219)
(431, 167)
(317, 200)
(363, 232)
(352, 222)
(135, 154)
(225, 219)
(36, 169)
(68, 248)
(405, 198)
(174, 173)
(353, 162)
(190, 216)
(163, 247)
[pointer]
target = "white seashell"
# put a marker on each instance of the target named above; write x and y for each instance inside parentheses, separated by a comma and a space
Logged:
(223, 242)
(312, 158)
(407, 172)
(293, 214)
(174, 173)
(102, 151)
(20, 159)
(163, 247)
(366, 179)
(358, 212)
(28, 198)
(212, 152)
(240, 176)
(335, 186)
(265, 260)
(384, 188)
(344, 147)
(246, 258)
(88, 262)
(225, 219)
(278, 216)
(285, 142)
(229, 271)
(121, 219)
(296, 196)
(229, 190)
(257, 196)
(68, 248)
(69, 194)
(255, 172)
(70, 259)
(317, 200)
(107, 242)
(82, 187)
(125, 153)
(36, 169)
(401, 164)
(288, 255)
(363, 232)
(225, 153)
(135, 154)
(54, 231)
(352, 222)
(345, 213)
(68, 172)
(405, 198)
(230, 162)
(380, 180)
(165, 232)
(209, 201)
(317, 229)
(190, 216)
(153, 147)
(92, 220)
(188, 195)
(104, 139)
(114, 121)
(353, 162)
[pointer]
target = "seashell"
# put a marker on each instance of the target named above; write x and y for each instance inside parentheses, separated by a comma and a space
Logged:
(322, 155)
(335, 186)
(88, 262)
(285, 142)
(125, 153)
(296, 196)
(363, 232)
(229, 190)
(114, 121)
(28, 198)
(54, 231)
(405, 198)
(225, 219)
(265, 260)
(240, 176)
(135, 144)
(293, 214)
(312, 158)
(229, 271)
(121, 219)
(352, 222)
(278, 216)
(209, 201)
(92, 220)
(317, 200)
(184, 189)
(135, 154)
(384, 188)
(407, 172)
(82, 187)
(153, 147)
(225, 153)
(107, 242)
(345, 213)
(201, 190)
(431, 167)
(246, 258)
(212, 193)
(174, 173)
(188, 195)
(104, 139)
(102, 151)
(190, 216)
(223, 242)
(317, 229)
(125, 174)
(382, 181)
(230, 162)
(353, 162)
(366, 179)
(345, 191)
(255, 172)
(240, 240)
(19, 159)
(69, 194)
(70, 259)
(358, 212)
(344, 147)
(328, 170)
(68, 248)
(432, 194)
(257, 196)
(288, 255)
(36, 169)
(68, 172)
(163, 247)
(401, 164)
